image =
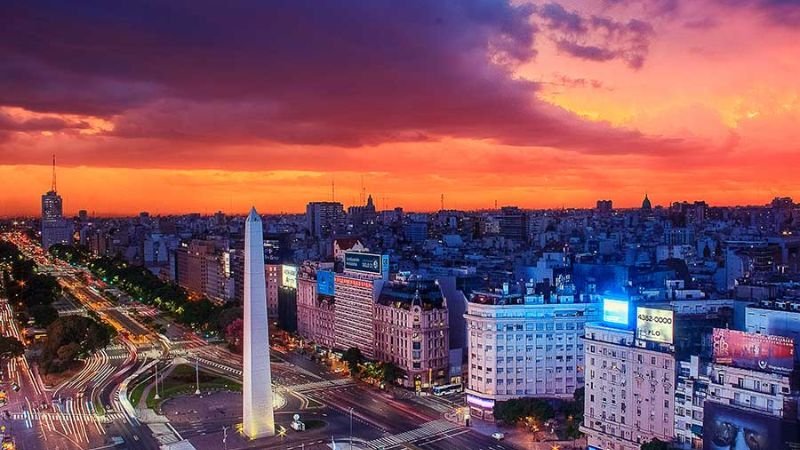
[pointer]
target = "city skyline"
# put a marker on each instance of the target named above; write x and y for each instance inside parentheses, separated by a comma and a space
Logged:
(588, 100)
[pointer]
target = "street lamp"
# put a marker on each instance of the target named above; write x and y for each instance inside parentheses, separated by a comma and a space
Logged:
(351, 428)
(197, 375)
(156, 396)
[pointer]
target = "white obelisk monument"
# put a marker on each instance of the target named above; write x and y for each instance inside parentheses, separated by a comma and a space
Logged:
(259, 420)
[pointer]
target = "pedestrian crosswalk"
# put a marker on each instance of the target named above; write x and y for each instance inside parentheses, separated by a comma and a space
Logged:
(220, 366)
(327, 384)
(427, 430)
(53, 416)
(435, 403)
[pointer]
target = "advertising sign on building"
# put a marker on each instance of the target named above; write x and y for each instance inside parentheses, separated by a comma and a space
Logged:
(616, 312)
(654, 325)
(289, 276)
(730, 428)
(753, 351)
(365, 262)
(325, 283)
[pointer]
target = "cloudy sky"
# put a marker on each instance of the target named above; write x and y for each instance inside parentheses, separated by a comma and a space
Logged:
(202, 105)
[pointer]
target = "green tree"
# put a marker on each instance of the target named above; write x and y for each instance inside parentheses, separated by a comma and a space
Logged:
(43, 315)
(514, 410)
(353, 357)
(390, 373)
(10, 347)
(70, 337)
(655, 444)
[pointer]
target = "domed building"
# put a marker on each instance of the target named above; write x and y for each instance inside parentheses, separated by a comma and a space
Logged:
(646, 206)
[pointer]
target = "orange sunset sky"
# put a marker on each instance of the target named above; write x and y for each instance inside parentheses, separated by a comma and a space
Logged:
(195, 107)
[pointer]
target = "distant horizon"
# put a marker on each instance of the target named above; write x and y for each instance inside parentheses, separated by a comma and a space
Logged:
(74, 213)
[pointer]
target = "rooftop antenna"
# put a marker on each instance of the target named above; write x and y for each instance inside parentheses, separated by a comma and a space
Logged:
(333, 190)
(53, 187)
(442, 199)
(363, 192)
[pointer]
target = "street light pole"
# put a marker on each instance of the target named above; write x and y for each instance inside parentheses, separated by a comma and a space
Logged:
(351, 428)
(197, 375)
(157, 396)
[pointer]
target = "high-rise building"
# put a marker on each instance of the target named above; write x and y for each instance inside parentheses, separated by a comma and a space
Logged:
(412, 331)
(520, 346)
(513, 223)
(605, 206)
(316, 314)
(274, 274)
(55, 228)
(203, 268)
(258, 414)
(630, 377)
(324, 218)
(356, 290)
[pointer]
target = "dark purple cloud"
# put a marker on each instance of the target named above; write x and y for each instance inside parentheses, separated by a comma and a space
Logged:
(782, 12)
(303, 72)
(597, 38)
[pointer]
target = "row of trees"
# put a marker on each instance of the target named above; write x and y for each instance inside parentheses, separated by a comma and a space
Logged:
(386, 372)
(68, 338)
(146, 287)
(33, 291)
(536, 411)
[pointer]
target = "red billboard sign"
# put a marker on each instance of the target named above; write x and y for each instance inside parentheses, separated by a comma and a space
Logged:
(753, 351)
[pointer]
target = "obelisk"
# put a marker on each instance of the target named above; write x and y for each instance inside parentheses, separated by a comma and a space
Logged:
(259, 420)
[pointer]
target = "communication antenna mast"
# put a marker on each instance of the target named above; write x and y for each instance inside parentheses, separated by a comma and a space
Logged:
(333, 190)
(442, 202)
(363, 192)
(53, 187)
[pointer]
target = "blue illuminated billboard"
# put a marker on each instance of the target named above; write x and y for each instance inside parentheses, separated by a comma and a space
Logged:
(366, 262)
(616, 312)
(325, 284)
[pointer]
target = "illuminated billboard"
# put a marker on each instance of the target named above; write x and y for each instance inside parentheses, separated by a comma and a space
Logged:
(366, 262)
(474, 400)
(289, 276)
(730, 428)
(616, 312)
(325, 283)
(654, 325)
(763, 352)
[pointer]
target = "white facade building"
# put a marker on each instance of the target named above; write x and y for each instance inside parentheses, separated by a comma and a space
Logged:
(519, 346)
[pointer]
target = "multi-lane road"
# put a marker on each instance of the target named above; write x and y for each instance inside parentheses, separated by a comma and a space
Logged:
(85, 411)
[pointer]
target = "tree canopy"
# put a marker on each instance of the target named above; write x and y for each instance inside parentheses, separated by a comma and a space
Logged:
(70, 337)
(655, 444)
(10, 347)
(514, 410)
(353, 357)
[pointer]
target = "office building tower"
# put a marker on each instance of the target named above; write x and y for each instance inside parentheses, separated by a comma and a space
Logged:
(324, 219)
(520, 346)
(356, 290)
(55, 228)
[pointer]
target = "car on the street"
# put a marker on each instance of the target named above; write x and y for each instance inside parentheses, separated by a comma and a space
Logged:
(498, 436)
